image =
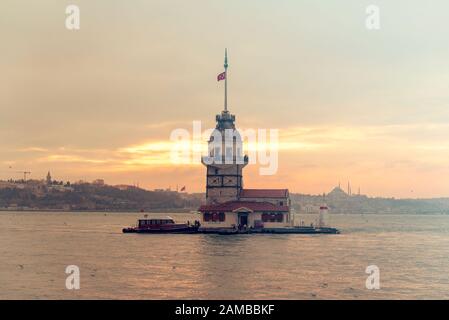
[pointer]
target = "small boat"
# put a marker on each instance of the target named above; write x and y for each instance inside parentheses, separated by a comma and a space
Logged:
(166, 225)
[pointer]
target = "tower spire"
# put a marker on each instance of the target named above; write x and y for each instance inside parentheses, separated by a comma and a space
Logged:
(226, 81)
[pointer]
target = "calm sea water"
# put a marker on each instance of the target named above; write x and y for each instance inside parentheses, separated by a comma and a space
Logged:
(411, 251)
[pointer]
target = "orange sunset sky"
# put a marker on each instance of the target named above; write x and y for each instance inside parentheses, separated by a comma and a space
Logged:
(351, 104)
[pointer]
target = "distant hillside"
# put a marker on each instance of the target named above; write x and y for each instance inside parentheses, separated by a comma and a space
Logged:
(93, 197)
(36, 195)
(342, 203)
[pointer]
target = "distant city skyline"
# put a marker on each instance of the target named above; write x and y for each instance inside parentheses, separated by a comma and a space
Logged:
(48, 179)
(369, 107)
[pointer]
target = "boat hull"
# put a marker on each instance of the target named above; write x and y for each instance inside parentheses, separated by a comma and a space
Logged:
(291, 230)
(300, 230)
(185, 230)
(223, 231)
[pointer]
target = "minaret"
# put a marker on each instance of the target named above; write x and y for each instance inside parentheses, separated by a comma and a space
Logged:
(224, 161)
(49, 182)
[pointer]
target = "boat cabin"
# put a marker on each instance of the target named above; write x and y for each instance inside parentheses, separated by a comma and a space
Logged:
(149, 223)
(162, 225)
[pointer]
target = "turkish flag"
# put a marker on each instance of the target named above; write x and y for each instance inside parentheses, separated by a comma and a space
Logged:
(221, 76)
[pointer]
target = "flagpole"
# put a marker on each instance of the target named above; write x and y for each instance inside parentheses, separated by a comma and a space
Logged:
(226, 81)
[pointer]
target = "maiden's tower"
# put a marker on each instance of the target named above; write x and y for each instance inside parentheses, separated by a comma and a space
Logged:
(228, 204)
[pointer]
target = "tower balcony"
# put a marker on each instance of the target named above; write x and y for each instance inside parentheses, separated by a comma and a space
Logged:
(225, 120)
(208, 160)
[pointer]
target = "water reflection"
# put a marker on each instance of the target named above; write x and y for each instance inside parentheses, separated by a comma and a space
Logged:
(412, 253)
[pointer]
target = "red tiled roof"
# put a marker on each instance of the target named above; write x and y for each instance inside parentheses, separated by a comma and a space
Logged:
(264, 193)
(234, 205)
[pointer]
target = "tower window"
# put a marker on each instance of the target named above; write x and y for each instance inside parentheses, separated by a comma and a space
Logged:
(272, 217)
(214, 216)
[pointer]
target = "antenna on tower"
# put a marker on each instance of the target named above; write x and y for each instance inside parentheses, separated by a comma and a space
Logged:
(226, 80)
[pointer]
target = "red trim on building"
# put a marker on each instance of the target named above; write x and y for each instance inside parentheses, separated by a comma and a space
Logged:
(252, 205)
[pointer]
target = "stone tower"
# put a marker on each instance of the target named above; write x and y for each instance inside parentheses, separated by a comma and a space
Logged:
(224, 161)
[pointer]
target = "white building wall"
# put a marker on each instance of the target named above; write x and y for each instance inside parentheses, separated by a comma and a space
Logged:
(257, 216)
(275, 201)
(231, 220)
